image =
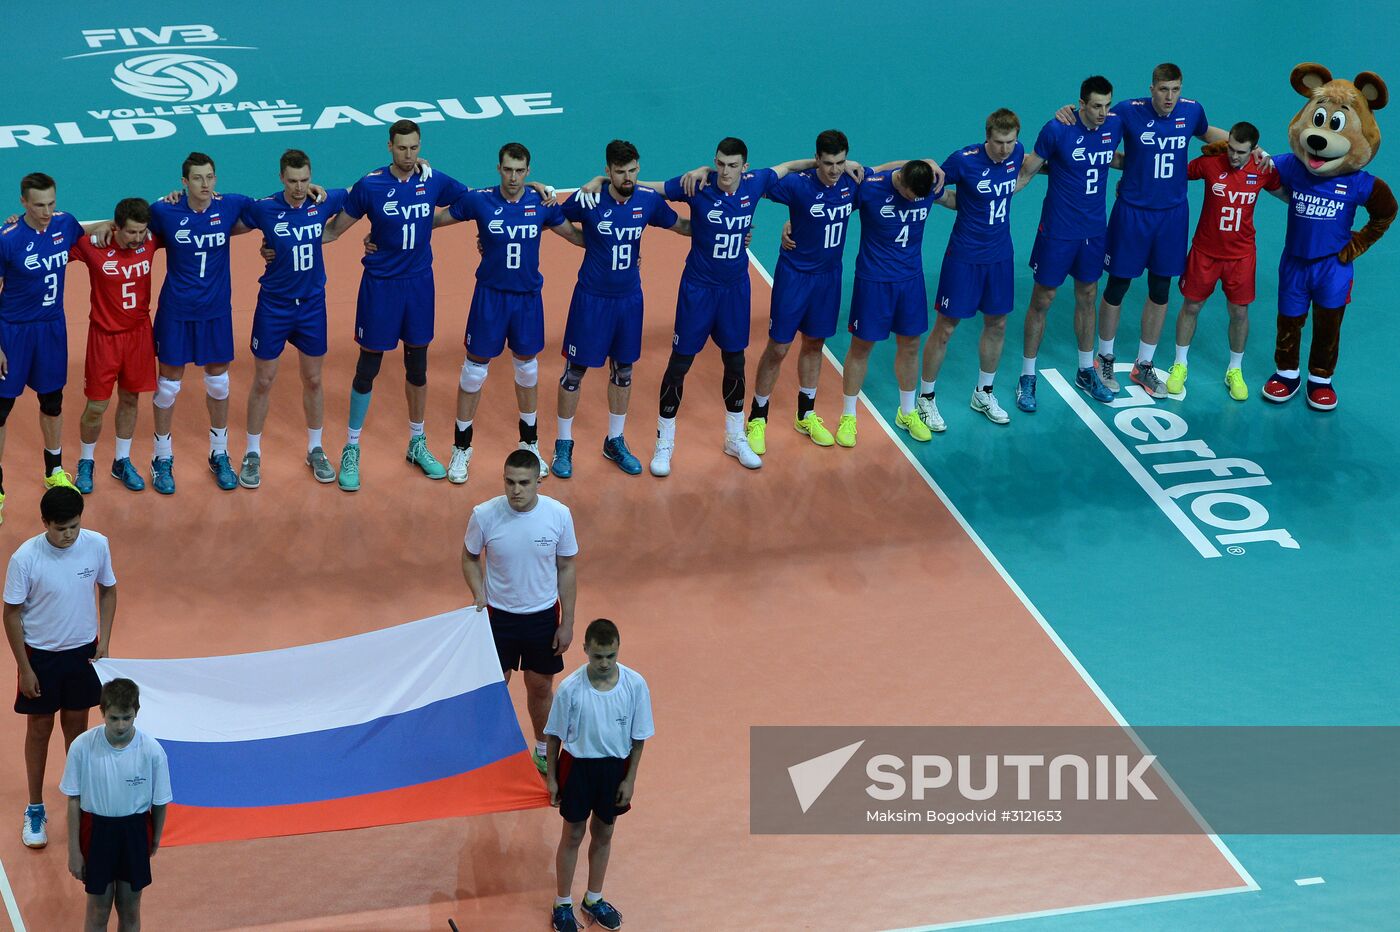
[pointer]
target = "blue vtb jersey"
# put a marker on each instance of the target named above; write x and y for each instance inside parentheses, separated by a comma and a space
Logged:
(400, 219)
(891, 230)
(982, 233)
(612, 238)
(510, 236)
(1155, 151)
(719, 221)
(1321, 210)
(819, 218)
(33, 265)
(196, 285)
(1079, 160)
(297, 270)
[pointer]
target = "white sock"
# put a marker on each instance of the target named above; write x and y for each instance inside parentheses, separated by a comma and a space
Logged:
(352, 436)
(665, 428)
(563, 901)
(733, 423)
(218, 440)
(848, 404)
(463, 425)
(906, 402)
(541, 747)
(985, 380)
(615, 424)
(1028, 365)
(313, 438)
(761, 400)
(926, 387)
(1181, 352)
(1086, 359)
(528, 417)
(592, 896)
(415, 429)
(1319, 380)
(566, 428)
(1236, 361)
(1288, 373)
(162, 446)
(88, 451)
(1146, 351)
(255, 444)
(1105, 347)
(123, 448)
(809, 392)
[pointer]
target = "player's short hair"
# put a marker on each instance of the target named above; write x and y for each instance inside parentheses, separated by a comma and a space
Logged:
(132, 208)
(404, 128)
(522, 459)
(917, 177)
(1003, 121)
(601, 633)
(35, 181)
(1095, 84)
(1245, 132)
(120, 693)
(1166, 71)
(60, 505)
(733, 145)
(620, 152)
(832, 142)
(513, 150)
(293, 158)
(193, 159)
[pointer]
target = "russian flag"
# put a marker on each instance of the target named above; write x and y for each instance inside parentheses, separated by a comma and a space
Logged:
(399, 725)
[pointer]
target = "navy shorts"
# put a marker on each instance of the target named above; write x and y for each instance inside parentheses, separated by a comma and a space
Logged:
(500, 317)
(880, 308)
(589, 785)
(392, 309)
(964, 288)
(602, 327)
(809, 302)
(1054, 259)
(37, 355)
(67, 680)
(1140, 238)
(276, 321)
(115, 849)
(1302, 283)
(526, 641)
(197, 342)
(711, 312)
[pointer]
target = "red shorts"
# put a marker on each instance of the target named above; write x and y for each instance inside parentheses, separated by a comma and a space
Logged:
(126, 358)
(1236, 277)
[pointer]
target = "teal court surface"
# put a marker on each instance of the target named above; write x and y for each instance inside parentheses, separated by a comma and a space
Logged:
(1261, 602)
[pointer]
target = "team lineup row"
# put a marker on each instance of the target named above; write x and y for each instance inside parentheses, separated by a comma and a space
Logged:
(406, 200)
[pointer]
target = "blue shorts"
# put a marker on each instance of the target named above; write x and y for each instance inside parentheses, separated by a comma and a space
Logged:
(964, 288)
(1054, 259)
(805, 301)
(498, 317)
(392, 309)
(201, 342)
(705, 312)
(603, 326)
(278, 320)
(1325, 282)
(879, 308)
(1140, 238)
(37, 355)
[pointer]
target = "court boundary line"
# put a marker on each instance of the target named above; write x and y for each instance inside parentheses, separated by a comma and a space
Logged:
(11, 904)
(1249, 886)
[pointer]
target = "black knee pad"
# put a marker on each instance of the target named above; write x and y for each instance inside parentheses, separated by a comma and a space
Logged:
(572, 377)
(51, 403)
(415, 365)
(366, 368)
(676, 367)
(733, 364)
(621, 376)
(6, 406)
(1159, 288)
(1117, 288)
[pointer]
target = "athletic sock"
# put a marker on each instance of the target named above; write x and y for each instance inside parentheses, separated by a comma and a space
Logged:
(541, 747)
(313, 438)
(1028, 365)
(566, 428)
(1105, 347)
(665, 428)
(1236, 361)
(1319, 380)
(415, 429)
(848, 404)
(1181, 352)
(906, 402)
(352, 437)
(733, 423)
(163, 447)
(528, 417)
(806, 401)
(462, 437)
(985, 380)
(255, 444)
(1288, 373)
(927, 387)
(529, 430)
(563, 901)
(87, 451)
(592, 896)
(218, 440)
(759, 408)
(615, 424)
(123, 450)
(53, 459)
(1086, 359)
(1145, 352)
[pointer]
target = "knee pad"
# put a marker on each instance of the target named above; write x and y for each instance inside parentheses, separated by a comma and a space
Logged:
(6, 406)
(51, 403)
(1117, 288)
(572, 377)
(473, 376)
(1159, 288)
(415, 365)
(621, 376)
(677, 366)
(366, 368)
(166, 390)
(733, 364)
(216, 386)
(527, 372)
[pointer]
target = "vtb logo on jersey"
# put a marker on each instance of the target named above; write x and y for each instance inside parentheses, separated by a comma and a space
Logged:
(887, 211)
(1218, 189)
(407, 211)
(715, 216)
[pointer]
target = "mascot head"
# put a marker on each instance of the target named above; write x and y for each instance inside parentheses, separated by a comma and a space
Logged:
(1335, 133)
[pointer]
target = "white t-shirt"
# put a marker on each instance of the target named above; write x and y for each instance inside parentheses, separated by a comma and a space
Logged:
(116, 782)
(55, 586)
(521, 575)
(590, 723)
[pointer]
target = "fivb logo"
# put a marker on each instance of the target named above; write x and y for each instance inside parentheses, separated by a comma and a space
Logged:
(165, 76)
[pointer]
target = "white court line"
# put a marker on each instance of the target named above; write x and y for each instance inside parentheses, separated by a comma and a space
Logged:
(11, 905)
(1308, 881)
(1249, 885)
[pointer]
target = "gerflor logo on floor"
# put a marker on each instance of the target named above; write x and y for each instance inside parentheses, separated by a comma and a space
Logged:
(182, 78)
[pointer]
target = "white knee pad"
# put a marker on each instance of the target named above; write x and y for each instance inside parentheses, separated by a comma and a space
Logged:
(527, 372)
(473, 375)
(166, 390)
(216, 386)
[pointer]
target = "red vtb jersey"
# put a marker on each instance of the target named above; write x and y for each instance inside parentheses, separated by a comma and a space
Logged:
(121, 282)
(1226, 227)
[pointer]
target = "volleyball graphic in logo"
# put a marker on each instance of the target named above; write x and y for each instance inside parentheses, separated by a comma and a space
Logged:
(172, 77)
